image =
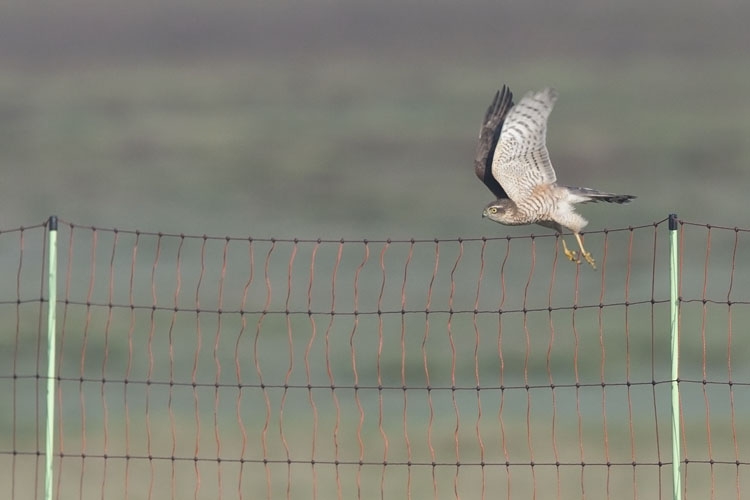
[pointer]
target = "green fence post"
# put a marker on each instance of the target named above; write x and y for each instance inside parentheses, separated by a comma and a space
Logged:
(674, 307)
(51, 354)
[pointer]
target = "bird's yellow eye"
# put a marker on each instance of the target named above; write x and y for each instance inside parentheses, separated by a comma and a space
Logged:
(493, 210)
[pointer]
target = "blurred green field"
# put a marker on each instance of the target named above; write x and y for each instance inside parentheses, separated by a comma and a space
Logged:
(357, 120)
(357, 148)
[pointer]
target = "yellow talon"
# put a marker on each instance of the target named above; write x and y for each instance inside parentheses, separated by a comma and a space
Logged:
(570, 254)
(586, 255)
(589, 259)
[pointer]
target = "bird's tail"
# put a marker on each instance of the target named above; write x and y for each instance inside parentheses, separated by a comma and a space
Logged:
(587, 195)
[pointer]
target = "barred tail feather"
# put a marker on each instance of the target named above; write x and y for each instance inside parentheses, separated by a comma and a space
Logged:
(587, 195)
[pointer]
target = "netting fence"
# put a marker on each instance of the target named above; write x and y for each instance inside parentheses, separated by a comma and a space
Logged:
(192, 366)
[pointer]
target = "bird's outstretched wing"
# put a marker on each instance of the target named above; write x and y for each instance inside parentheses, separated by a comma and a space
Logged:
(488, 136)
(521, 160)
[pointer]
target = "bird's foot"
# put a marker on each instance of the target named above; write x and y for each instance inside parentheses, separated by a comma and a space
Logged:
(572, 255)
(586, 255)
(589, 259)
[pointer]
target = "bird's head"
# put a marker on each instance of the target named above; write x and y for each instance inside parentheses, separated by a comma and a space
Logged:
(499, 211)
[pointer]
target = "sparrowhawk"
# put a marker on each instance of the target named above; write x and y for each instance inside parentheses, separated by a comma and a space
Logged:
(513, 162)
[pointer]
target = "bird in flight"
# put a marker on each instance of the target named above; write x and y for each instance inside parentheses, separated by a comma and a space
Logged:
(513, 162)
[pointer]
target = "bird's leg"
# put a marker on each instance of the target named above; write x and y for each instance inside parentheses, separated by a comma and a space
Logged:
(586, 255)
(570, 254)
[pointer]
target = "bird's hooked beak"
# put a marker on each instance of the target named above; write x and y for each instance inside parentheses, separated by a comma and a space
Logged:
(484, 213)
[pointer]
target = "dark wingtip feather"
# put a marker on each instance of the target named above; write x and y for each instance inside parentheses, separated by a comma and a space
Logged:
(492, 107)
(499, 107)
(489, 135)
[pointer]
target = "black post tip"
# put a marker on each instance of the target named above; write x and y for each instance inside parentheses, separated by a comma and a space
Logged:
(53, 223)
(673, 222)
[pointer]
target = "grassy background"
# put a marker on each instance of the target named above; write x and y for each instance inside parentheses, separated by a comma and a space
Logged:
(358, 120)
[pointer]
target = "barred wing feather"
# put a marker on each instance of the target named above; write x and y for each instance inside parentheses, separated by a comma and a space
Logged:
(521, 160)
